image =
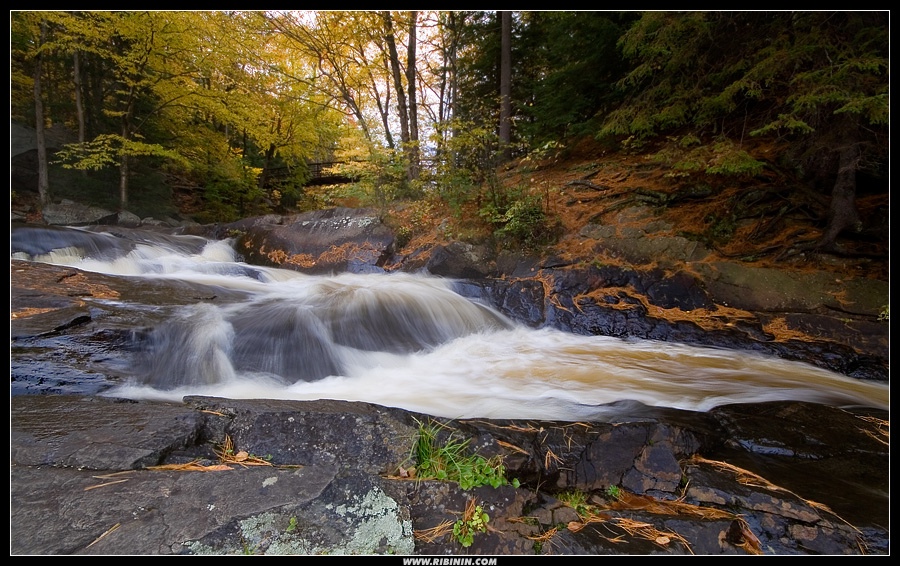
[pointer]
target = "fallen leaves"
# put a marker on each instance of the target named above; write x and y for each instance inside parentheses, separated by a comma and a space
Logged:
(512, 447)
(631, 501)
(882, 433)
(104, 484)
(227, 455)
(630, 527)
(647, 531)
(192, 466)
(227, 459)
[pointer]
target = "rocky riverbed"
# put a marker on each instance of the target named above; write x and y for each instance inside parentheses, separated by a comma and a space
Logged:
(97, 475)
(93, 475)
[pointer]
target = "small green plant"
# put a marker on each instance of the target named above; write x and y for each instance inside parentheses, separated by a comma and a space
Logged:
(885, 313)
(518, 219)
(292, 525)
(728, 160)
(613, 492)
(404, 235)
(577, 500)
(474, 520)
(720, 228)
(633, 144)
(549, 150)
(450, 460)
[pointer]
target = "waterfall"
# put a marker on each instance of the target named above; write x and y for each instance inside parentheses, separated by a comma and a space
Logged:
(400, 339)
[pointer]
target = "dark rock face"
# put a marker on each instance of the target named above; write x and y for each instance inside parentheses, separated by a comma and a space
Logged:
(321, 241)
(96, 475)
(41, 240)
(564, 303)
(681, 291)
(459, 260)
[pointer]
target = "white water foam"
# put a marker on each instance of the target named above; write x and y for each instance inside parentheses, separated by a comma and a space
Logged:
(409, 341)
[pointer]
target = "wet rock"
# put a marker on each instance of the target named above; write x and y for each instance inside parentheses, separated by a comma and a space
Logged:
(635, 246)
(681, 291)
(822, 447)
(93, 475)
(523, 300)
(352, 435)
(321, 241)
(766, 289)
(460, 260)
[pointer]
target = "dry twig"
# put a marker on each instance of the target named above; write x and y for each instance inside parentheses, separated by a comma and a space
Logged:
(109, 530)
(434, 533)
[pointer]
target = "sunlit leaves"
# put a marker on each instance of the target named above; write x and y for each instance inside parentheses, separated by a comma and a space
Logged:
(181, 90)
(107, 149)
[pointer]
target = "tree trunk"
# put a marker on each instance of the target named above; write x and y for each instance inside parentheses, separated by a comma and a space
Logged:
(94, 75)
(347, 97)
(449, 39)
(124, 165)
(123, 183)
(505, 84)
(454, 75)
(843, 213)
(268, 155)
(413, 148)
(79, 103)
(384, 111)
(43, 172)
(442, 89)
(398, 79)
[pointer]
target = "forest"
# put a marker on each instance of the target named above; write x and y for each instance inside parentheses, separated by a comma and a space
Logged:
(247, 108)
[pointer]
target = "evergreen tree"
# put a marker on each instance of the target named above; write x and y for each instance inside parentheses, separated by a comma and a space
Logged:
(817, 80)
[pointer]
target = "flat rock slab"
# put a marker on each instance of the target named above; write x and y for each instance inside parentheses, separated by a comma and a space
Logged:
(96, 475)
(143, 511)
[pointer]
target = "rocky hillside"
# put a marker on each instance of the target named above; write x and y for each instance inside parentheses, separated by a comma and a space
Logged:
(757, 221)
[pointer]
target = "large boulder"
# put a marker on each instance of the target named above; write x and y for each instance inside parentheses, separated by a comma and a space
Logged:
(69, 213)
(321, 241)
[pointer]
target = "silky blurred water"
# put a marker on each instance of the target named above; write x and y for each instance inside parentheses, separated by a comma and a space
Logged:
(409, 341)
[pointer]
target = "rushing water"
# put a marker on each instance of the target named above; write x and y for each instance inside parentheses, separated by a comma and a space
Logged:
(403, 340)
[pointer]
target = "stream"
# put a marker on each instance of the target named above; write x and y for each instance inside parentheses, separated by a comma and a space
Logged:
(400, 339)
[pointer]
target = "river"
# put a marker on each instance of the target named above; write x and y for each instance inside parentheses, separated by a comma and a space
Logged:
(399, 339)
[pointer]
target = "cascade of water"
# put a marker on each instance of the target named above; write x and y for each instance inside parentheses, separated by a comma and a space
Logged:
(405, 340)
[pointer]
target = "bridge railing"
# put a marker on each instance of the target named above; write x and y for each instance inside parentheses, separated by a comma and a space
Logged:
(319, 172)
